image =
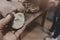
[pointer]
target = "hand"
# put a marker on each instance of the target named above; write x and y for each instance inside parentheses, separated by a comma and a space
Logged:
(6, 20)
(10, 36)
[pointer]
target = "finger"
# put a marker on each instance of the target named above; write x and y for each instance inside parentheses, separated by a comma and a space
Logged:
(4, 21)
(13, 32)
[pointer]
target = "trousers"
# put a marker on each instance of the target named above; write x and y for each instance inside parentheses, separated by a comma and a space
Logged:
(56, 22)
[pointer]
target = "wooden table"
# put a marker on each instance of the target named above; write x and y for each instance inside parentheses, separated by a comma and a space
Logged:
(30, 18)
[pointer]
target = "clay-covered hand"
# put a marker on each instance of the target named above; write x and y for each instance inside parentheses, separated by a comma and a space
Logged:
(10, 36)
(6, 20)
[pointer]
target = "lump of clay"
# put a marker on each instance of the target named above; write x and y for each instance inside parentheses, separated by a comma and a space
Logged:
(18, 21)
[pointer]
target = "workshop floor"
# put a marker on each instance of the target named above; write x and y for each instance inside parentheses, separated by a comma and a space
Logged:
(35, 32)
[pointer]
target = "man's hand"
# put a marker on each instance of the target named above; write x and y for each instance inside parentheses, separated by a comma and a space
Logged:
(10, 36)
(6, 20)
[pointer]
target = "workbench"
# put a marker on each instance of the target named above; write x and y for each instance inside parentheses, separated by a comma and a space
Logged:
(31, 17)
(28, 17)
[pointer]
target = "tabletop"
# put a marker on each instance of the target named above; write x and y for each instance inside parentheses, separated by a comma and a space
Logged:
(28, 19)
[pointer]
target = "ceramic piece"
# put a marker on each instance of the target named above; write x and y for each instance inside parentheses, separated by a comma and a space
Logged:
(18, 21)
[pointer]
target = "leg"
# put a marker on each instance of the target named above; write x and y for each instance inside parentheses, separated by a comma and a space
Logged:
(49, 31)
(52, 28)
(57, 32)
(53, 25)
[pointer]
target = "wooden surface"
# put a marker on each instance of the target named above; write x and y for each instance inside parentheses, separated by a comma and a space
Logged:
(29, 19)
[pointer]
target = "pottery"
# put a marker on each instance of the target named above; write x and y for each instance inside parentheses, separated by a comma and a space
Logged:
(18, 21)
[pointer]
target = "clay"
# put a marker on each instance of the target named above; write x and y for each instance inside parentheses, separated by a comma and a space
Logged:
(18, 21)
